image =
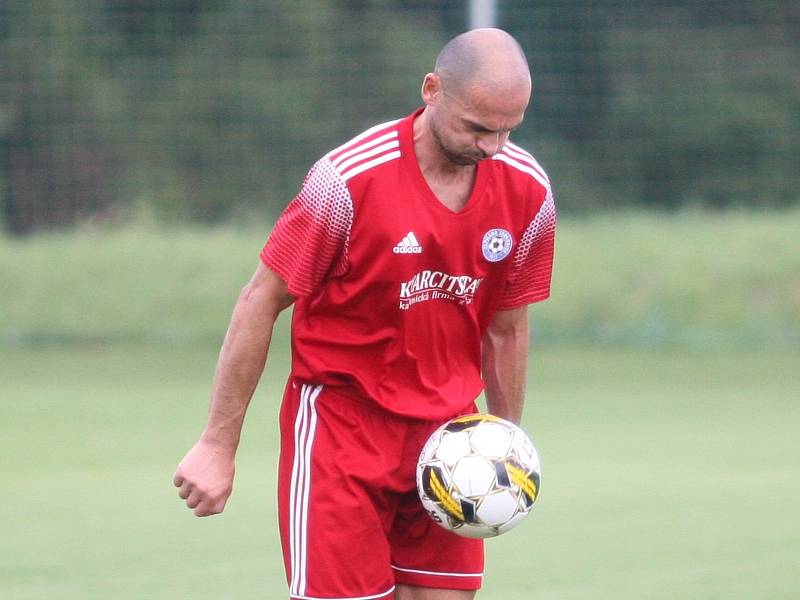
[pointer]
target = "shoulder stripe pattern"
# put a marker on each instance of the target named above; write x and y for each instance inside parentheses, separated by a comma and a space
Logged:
(368, 165)
(526, 156)
(375, 146)
(513, 155)
(340, 157)
(377, 150)
(361, 136)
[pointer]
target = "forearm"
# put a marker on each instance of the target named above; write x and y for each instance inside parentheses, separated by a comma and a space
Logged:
(504, 366)
(241, 362)
(240, 365)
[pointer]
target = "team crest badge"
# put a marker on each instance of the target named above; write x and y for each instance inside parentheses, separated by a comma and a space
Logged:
(496, 245)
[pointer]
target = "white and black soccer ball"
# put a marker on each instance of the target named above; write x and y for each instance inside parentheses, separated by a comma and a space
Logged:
(478, 475)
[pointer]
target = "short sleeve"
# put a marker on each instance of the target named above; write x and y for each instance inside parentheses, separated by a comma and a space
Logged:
(309, 241)
(531, 272)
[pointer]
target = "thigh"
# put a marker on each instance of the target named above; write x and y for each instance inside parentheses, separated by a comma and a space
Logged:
(423, 553)
(333, 522)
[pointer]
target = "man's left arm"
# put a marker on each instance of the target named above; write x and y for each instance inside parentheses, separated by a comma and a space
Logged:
(504, 363)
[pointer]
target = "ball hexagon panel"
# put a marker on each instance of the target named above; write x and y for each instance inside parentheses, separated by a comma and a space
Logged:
(474, 476)
(491, 439)
(497, 508)
(452, 447)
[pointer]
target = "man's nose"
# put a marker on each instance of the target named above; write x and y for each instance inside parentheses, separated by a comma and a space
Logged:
(491, 143)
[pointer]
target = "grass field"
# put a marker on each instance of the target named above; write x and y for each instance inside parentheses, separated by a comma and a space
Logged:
(693, 279)
(667, 474)
(664, 399)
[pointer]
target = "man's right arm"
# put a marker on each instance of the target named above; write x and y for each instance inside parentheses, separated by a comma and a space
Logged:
(205, 475)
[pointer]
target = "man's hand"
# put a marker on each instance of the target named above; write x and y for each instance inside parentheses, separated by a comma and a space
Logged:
(204, 478)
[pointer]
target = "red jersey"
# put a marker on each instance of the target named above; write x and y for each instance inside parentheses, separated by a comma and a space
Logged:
(394, 290)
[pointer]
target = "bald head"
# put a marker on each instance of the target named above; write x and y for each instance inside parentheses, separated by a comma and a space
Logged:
(477, 94)
(483, 58)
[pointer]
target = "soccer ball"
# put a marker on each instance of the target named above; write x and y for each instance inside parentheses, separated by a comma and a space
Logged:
(478, 475)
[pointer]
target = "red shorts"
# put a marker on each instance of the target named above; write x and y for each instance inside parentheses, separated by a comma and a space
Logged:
(351, 522)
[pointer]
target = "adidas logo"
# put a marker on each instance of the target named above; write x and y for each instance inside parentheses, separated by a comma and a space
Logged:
(408, 245)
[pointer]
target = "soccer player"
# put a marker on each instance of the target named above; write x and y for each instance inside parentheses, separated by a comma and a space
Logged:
(410, 255)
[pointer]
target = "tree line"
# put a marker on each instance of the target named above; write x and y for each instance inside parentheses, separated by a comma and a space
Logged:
(210, 111)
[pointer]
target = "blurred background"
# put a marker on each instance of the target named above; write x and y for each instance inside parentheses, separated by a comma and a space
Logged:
(146, 148)
(210, 111)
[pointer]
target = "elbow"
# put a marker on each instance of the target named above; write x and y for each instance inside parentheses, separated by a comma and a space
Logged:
(263, 300)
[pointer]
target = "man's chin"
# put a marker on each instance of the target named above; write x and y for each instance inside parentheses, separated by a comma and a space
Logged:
(466, 160)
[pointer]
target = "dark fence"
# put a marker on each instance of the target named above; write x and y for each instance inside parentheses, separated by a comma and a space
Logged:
(212, 110)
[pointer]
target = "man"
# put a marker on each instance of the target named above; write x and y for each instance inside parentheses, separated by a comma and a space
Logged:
(410, 255)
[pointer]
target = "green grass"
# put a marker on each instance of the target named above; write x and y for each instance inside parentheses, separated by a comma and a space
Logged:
(663, 399)
(133, 283)
(695, 280)
(666, 474)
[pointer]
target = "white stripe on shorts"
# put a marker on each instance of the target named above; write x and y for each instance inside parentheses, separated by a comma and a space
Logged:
(304, 427)
(439, 574)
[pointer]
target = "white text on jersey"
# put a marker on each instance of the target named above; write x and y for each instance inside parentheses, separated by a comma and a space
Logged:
(435, 285)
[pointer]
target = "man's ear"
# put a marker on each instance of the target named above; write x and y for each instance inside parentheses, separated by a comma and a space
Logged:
(431, 89)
